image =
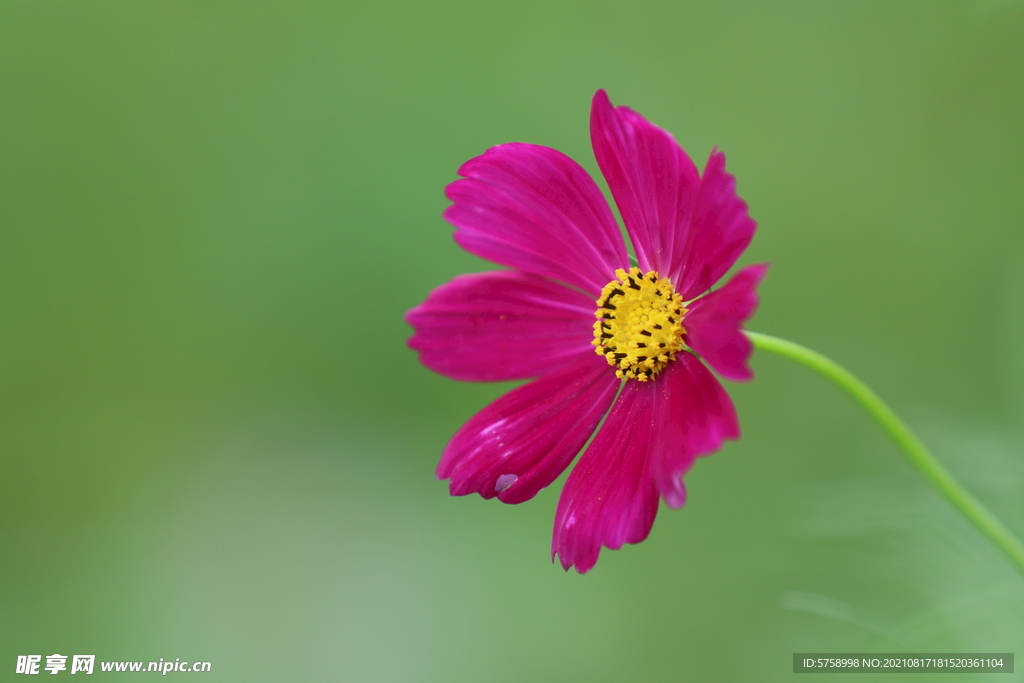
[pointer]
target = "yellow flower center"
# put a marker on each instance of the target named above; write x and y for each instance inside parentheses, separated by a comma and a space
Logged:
(639, 326)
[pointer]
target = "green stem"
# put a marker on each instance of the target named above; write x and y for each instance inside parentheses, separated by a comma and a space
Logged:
(919, 456)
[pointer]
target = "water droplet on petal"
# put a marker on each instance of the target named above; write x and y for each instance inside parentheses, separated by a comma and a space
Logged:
(504, 481)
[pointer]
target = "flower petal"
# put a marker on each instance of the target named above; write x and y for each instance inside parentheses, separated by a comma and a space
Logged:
(653, 180)
(714, 324)
(523, 441)
(720, 229)
(610, 498)
(502, 325)
(696, 417)
(652, 436)
(533, 208)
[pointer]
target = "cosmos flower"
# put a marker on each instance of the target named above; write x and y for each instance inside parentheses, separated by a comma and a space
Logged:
(570, 292)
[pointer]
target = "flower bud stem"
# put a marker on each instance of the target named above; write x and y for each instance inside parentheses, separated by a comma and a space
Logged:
(919, 456)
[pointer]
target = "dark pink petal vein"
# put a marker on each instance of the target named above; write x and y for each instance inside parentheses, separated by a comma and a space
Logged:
(610, 497)
(652, 178)
(714, 324)
(651, 437)
(697, 416)
(721, 229)
(501, 325)
(521, 443)
(535, 209)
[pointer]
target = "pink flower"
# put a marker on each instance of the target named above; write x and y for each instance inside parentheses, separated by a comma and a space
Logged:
(571, 291)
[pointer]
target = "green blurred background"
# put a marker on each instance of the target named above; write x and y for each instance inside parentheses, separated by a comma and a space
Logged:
(215, 445)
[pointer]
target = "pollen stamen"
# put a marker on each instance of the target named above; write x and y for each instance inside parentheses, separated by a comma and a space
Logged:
(648, 315)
